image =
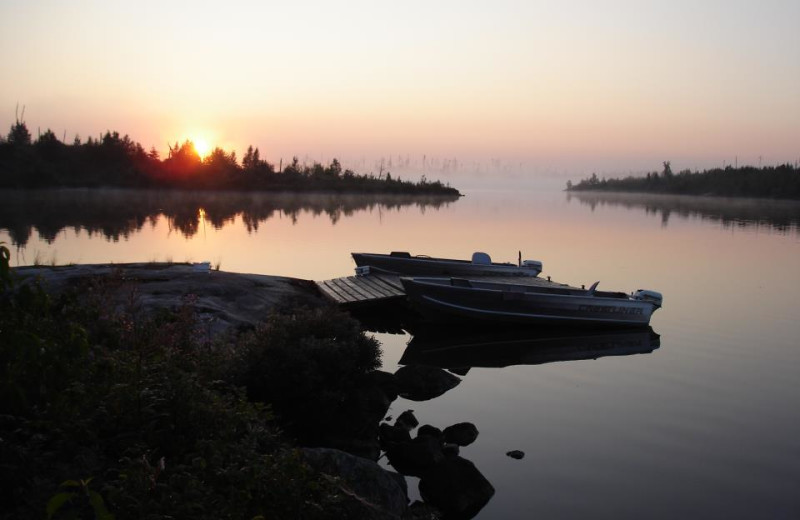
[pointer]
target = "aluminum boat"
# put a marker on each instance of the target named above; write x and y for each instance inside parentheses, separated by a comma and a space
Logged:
(402, 263)
(489, 302)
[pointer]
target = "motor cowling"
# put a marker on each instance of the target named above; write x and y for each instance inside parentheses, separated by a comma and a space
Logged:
(647, 295)
(532, 264)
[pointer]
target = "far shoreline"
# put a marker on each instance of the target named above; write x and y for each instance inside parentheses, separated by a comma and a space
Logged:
(780, 182)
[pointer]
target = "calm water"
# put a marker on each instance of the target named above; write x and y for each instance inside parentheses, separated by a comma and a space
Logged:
(702, 422)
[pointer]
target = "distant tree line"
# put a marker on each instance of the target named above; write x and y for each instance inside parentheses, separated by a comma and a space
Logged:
(117, 161)
(780, 182)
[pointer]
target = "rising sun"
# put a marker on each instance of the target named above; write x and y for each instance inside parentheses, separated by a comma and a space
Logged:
(202, 147)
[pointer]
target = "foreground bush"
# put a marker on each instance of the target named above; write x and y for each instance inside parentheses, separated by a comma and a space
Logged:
(306, 364)
(111, 413)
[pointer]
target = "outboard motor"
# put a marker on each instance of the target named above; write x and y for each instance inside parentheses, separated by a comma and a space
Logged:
(532, 264)
(646, 295)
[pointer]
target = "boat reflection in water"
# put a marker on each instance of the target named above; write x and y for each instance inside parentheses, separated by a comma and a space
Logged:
(435, 353)
(456, 352)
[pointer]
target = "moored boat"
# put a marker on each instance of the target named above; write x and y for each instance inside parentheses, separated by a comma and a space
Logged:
(402, 263)
(490, 302)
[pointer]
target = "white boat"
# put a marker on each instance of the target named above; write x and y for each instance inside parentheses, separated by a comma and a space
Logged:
(488, 302)
(402, 263)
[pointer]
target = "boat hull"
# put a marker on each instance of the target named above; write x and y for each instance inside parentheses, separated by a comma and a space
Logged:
(426, 266)
(440, 301)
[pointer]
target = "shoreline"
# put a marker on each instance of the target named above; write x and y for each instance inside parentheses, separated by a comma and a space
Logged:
(223, 301)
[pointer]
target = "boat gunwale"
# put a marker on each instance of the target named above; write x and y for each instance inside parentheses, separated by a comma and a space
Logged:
(528, 289)
(425, 259)
(543, 317)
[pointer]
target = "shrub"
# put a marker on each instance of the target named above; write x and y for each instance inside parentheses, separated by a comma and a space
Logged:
(305, 364)
(136, 405)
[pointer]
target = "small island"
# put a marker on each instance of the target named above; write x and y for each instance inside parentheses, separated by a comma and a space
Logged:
(117, 161)
(776, 182)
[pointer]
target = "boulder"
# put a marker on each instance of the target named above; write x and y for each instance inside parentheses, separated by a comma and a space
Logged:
(462, 434)
(368, 404)
(516, 454)
(385, 381)
(422, 382)
(450, 450)
(391, 434)
(383, 493)
(415, 458)
(364, 445)
(456, 487)
(430, 431)
(407, 421)
(419, 510)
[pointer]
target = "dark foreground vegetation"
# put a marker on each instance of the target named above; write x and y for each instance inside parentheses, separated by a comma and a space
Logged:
(117, 161)
(778, 182)
(115, 413)
(123, 398)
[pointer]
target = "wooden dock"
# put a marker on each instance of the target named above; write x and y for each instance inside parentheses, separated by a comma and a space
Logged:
(379, 288)
(361, 289)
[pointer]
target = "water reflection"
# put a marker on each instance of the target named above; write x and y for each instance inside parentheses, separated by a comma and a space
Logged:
(779, 215)
(459, 353)
(119, 213)
(437, 359)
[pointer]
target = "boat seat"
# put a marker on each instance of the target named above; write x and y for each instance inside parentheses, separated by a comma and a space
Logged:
(460, 282)
(481, 258)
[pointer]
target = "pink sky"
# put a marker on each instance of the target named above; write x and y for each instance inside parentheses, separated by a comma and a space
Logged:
(612, 87)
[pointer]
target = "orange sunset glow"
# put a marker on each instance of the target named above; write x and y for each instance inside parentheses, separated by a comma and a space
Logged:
(516, 87)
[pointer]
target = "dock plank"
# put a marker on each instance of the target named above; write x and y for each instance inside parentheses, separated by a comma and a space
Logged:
(333, 292)
(392, 282)
(380, 288)
(358, 288)
(349, 290)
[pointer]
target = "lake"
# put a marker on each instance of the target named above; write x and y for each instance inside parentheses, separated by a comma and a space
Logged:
(698, 420)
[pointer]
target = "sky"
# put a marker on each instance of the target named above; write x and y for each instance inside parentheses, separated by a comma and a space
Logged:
(501, 87)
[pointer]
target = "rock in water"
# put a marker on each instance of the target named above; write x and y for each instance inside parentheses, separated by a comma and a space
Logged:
(462, 434)
(421, 382)
(417, 457)
(430, 431)
(450, 450)
(391, 435)
(407, 421)
(385, 381)
(456, 487)
(516, 454)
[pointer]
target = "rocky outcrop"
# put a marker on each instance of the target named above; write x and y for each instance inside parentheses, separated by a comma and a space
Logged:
(222, 301)
(378, 493)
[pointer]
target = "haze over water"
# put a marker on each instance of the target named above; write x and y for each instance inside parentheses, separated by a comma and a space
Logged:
(698, 423)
